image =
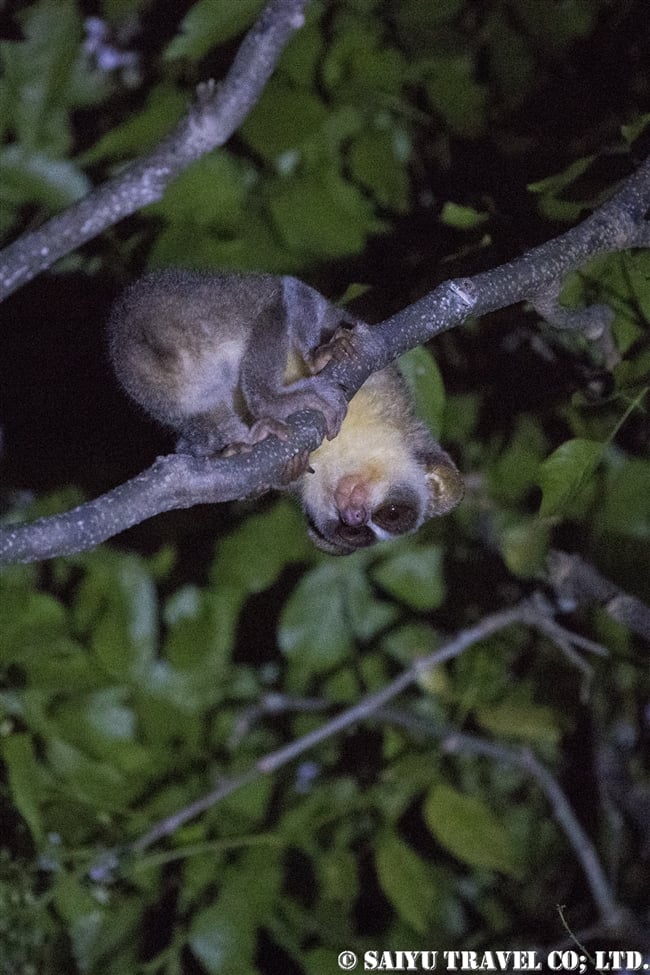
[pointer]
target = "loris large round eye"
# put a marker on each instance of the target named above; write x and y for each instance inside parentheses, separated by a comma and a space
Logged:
(396, 517)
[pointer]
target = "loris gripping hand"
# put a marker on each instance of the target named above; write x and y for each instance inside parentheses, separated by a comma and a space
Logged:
(224, 359)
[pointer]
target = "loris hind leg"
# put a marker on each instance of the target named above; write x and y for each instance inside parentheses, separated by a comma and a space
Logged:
(205, 436)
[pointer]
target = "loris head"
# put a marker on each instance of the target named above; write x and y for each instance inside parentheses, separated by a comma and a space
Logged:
(379, 479)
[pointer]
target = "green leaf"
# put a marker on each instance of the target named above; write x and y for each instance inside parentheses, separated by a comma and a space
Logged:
(367, 614)
(117, 604)
(249, 807)
(223, 935)
(313, 626)
(252, 557)
(284, 120)
(208, 23)
(321, 215)
(425, 384)
(109, 715)
(302, 58)
(62, 667)
(483, 675)
(220, 941)
(410, 642)
(42, 74)
(407, 881)
(551, 202)
(211, 196)
(338, 875)
(454, 94)
(462, 217)
(98, 934)
(414, 576)
(625, 510)
(524, 545)
(378, 163)
(462, 415)
(97, 783)
(632, 131)
(517, 716)
(515, 471)
(468, 828)
(31, 623)
(564, 475)
(185, 691)
(142, 130)
(202, 627)
(358, 65)
(35, 177)
(331, 606)
(633, 373)
(552, 185)
(24, 781)
(632, 272)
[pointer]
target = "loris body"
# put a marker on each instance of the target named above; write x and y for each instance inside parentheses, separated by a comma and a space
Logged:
(224, 359)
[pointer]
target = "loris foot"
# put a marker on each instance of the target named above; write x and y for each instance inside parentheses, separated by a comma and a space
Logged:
(339, 347)
(295, 467)
(260, 430)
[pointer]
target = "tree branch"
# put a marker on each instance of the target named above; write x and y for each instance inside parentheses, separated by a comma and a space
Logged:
(172, 482)
(217, 113)
(575, 582)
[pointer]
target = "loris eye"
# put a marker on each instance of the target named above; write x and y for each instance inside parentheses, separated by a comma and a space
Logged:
(396, 517)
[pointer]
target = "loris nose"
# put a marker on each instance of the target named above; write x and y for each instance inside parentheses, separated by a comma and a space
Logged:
(354, 515)
(351, 497)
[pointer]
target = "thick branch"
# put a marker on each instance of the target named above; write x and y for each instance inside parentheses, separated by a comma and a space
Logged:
(617, 225)
(172, 482)
(218, 112)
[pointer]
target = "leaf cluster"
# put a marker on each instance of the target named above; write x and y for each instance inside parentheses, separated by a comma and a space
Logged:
(130, 698)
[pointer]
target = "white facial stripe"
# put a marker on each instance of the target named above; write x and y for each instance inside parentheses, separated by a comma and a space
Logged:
(380, 533)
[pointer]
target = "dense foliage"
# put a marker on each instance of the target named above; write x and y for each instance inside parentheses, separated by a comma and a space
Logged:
(392, 148)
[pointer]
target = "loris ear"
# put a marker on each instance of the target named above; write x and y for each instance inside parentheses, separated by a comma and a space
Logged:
(444, 482)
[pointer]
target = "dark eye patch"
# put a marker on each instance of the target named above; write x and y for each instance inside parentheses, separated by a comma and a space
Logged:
(314, 529)
(396, 517)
